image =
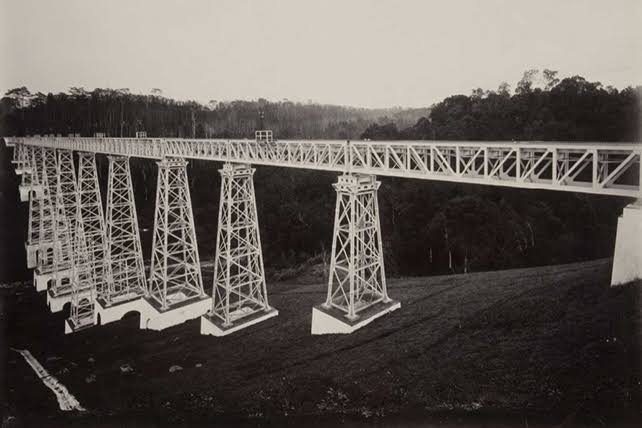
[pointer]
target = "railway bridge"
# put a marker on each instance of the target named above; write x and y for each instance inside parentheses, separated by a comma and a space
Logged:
(93, 259)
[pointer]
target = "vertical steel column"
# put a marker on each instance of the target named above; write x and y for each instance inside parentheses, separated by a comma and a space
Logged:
(47, 222)
(175, 274)
(357, 277)
(67, 189)
(239, 278)
(54, 247)
(89, 244)
(124, 268)
(31, 182)
(20, 159)
(65, 198)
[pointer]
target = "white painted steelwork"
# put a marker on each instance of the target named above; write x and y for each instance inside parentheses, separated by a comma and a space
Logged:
(175, 274)
(357, 277)
(239, 277)
(90, 244)
(20, 159)
(124, 268)
(64, 198)
(601, 168)
(67, 191)
(30, 182)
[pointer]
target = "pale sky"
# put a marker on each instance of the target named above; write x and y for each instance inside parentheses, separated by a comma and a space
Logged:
(375, 53)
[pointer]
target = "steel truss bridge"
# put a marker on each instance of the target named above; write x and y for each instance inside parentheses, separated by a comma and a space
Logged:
(101, 272)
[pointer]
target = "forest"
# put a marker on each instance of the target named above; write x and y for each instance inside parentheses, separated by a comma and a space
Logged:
(428, 227)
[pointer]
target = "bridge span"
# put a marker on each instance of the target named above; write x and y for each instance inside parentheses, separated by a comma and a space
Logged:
(94, 260)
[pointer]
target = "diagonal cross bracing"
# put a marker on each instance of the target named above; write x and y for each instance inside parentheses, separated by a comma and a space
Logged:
(30, 180)
(575, 167)
(124, 268)
(89, 243)
(239, 276)
(357, 277)
(175, 273)
(54, 239)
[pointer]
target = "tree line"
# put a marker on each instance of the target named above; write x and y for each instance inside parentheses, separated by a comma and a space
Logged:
(428, 227)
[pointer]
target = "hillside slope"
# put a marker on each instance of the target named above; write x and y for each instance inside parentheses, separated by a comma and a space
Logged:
(540, 342)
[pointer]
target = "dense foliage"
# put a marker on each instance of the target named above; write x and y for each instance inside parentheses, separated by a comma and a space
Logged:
(428, 227)
(118, 113)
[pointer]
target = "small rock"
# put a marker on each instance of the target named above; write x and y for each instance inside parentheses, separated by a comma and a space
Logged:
(175, 368)
(91, 378)
(126, 368)
(91, 360)
(199, 365)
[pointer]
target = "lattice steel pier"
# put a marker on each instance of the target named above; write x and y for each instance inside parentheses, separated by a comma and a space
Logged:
(239, 295)
(356, 291)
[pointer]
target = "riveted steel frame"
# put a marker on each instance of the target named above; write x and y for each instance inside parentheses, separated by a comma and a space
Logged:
(357, 277)
(89, 243)
(239, 277)
(175, 273)
(588, 167)
(124, 268)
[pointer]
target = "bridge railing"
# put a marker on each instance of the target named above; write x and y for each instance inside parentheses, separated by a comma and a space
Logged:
(605, 168)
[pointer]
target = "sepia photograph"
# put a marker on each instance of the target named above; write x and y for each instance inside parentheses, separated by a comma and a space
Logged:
(330, 213)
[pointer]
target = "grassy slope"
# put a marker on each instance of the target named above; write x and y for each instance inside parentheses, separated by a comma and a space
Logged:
(548, 341)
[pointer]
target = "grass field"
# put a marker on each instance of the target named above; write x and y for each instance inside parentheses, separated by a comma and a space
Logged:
(531, 346)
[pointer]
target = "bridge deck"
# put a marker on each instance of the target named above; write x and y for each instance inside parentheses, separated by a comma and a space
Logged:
(588, 167)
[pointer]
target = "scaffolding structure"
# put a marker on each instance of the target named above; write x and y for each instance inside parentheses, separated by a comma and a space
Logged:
(175, 274)
(124, 268)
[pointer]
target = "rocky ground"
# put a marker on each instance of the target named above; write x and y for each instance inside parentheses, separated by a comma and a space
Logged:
(528, 347)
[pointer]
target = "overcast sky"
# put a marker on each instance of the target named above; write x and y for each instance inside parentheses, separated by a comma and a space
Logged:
(361, 53)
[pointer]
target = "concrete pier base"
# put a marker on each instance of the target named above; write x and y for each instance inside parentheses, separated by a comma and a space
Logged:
(24, 191)
(71, 327)
(627, 259)
(56, 302)
(42, 279)
(334, 321)
(106, 314)
(155, 317)
(32, 256)
(240, 319)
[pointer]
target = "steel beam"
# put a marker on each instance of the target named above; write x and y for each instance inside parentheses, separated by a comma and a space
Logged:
(585, 167)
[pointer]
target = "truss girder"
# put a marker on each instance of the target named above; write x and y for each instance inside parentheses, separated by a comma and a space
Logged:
(175, 273)
(124, 268)
(239, 276)
(89, 242)
(357, 277)
(601, 168)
